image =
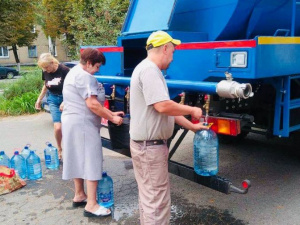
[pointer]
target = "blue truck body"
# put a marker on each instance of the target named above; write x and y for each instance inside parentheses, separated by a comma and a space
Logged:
(256, 41)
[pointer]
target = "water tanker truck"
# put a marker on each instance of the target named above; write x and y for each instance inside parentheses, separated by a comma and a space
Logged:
(239, 60)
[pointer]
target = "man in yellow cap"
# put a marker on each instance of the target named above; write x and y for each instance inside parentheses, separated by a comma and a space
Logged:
(153, 115)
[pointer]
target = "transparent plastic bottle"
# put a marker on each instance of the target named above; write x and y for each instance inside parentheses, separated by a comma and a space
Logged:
(25, 151)
(4, 159)
(105, 191)
(34, 167)
(206, 153)
(51, 157)
(19, 164)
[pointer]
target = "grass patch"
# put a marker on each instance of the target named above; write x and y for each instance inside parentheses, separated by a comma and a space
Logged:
(4, 85)
(20, 96)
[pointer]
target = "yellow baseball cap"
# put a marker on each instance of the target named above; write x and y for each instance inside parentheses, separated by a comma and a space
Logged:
(160, 38)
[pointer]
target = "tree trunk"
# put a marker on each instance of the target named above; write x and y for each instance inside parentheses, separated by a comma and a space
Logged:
(15, 51)
(52, 45)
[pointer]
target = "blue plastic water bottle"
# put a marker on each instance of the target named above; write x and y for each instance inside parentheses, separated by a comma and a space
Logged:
(4, 159)
(206, 153)
(19, 164)
(26, 151)
(51, 157)
(105, 191)
(34, 167)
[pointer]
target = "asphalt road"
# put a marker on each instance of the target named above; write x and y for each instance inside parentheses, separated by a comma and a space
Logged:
(273, 166)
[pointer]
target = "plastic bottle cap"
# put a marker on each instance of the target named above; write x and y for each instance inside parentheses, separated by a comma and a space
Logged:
(26, 147)
(31, 151)
(16, 153)
(104, 174)
(49, 145)
(2, 153)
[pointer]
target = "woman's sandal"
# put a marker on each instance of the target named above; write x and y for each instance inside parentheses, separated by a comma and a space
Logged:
(60, 154)
(79, 204)
(101, 212)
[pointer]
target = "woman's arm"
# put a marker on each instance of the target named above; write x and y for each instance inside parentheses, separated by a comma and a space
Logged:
(40, 98)
(93, 104)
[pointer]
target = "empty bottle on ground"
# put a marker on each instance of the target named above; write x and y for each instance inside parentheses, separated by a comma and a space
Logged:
(19, 164)
(34, 167)
(4, 159)
(206, 153)
(105, 191)
(25, 151)
(51, 157)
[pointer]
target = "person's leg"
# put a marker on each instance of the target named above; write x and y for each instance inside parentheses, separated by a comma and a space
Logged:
(151, 172)
(58, 138)
(92, 205)
(141, 212)
(136, 155)
(54, 102)
(79, 190)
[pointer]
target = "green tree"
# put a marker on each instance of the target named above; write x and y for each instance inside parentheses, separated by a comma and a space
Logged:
(56, 19)
(84, 22)
(17, 20)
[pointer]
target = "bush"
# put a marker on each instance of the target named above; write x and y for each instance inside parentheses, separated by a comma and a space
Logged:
(29, 82)
(19, 97)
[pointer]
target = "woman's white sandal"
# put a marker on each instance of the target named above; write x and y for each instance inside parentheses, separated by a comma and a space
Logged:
(101, 212)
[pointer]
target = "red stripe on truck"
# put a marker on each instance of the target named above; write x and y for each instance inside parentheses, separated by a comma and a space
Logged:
(217, 44)
(108, 49)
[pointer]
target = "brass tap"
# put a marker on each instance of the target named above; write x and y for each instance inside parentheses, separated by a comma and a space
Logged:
(113, 94)
(182, 99)
(127, 96)
(206, 105)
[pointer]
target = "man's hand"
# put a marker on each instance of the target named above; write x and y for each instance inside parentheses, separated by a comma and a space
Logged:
(196, 113)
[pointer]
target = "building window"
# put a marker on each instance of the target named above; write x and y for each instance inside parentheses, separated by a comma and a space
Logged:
(32, 52)
(4, 52)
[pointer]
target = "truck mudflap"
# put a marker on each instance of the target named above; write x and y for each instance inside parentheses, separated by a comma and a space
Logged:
(217, 183)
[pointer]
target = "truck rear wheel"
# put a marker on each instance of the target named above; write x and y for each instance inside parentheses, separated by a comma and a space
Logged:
(227, 139)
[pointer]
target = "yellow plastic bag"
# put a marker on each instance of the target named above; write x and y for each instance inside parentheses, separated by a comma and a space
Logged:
(9, 180)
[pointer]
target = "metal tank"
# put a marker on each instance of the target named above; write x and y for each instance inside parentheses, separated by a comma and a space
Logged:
(213, 20)
(230, 49)
(255, 41)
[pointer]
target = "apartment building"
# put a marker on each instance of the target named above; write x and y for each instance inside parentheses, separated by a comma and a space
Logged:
(30, 54)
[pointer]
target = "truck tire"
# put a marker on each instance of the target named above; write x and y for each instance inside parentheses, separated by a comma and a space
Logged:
(295, 138)
(227, 139)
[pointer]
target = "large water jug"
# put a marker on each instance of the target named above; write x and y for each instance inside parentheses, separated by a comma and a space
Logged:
(206, 153)
(105, 191)
(4, 159)
(51, 157)
(19, 164)
(34, 167)
(25, 151)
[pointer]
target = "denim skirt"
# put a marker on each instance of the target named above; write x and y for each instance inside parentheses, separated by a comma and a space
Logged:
(54, 102)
